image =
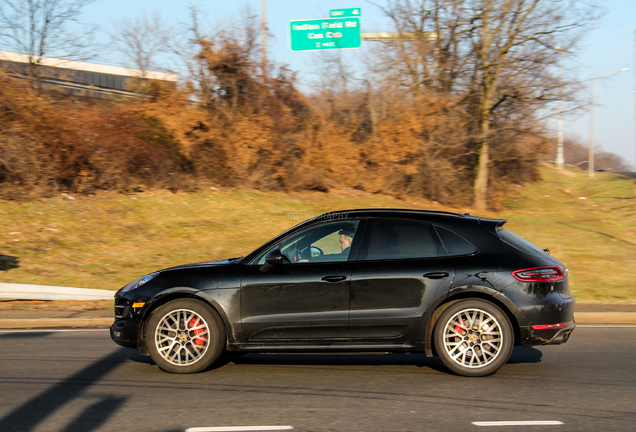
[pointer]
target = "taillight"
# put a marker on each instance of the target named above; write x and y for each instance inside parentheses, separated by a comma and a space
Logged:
(548, 326)
(539, 274)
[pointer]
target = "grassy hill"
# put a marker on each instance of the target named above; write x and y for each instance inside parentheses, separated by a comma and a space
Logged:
(106, 240)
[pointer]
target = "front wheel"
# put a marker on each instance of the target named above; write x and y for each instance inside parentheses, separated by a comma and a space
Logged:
(185, 336)
(473, 338)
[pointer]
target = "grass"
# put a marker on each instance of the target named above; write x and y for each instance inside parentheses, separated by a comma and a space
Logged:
(588, 224)
(106, 240)
(57, 305)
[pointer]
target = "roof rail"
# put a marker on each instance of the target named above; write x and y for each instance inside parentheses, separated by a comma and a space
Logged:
(441, 212)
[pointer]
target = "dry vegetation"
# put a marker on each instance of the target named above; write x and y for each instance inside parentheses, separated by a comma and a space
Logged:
(57, 305)
(268, 138)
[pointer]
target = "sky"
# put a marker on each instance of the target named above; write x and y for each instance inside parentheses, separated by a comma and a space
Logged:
(608, 47)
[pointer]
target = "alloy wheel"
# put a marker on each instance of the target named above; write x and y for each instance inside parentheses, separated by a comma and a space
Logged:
(473, 338)
(182, 337)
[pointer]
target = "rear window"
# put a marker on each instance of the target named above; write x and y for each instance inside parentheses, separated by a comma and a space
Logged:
(454, 244)
(400, 239)
(519, 242)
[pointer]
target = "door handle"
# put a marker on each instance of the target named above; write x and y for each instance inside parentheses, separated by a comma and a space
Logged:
(436, 275)
(334, 278)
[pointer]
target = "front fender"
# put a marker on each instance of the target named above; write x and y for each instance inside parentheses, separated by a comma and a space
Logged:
(226, 302)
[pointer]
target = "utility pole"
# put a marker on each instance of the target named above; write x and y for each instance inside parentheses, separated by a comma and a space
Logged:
(590, 150)
(635, 96)
(264, 38)
(559, 157)
(590, 147)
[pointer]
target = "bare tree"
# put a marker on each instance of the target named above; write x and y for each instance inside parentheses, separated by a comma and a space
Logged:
(41, 28)
(499, 56)
(220, 64)
(576, 153)
(514, 48)
(142, 40)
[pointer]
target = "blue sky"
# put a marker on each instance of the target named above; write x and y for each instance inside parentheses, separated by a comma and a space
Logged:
(610, 46)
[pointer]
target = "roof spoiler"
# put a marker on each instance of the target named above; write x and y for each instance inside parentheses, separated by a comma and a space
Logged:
(491, 226)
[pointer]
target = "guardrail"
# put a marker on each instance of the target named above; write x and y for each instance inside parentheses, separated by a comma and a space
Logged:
(44, 292)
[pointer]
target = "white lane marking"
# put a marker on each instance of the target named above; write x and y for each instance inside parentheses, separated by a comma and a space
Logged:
(606, 325)
(52, 330)
(519, 423)
(239, 428)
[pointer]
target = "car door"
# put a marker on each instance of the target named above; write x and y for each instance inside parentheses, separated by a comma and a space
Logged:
(306, 300)
(401, 269)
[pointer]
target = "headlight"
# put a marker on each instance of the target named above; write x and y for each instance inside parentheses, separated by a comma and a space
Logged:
(139, 282)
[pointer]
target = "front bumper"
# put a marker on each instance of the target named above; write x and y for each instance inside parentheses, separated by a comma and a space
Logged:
(125, 333)
(125, 329)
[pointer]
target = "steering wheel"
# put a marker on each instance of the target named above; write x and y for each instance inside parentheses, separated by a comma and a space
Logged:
(310, 252)
(316, 252)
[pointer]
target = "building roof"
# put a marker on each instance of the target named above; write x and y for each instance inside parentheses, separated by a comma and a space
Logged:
(87, 67)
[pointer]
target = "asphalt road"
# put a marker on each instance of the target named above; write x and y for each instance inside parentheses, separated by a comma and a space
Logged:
(81, 381)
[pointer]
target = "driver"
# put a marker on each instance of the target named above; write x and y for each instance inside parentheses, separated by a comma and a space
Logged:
(346, 237)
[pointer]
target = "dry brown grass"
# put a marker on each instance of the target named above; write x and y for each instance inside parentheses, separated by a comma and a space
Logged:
(57, 305)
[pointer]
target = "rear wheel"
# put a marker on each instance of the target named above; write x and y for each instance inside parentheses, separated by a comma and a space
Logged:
(185, 336)
(473, 338)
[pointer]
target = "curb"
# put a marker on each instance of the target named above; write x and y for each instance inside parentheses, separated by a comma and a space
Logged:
(34, 323)
(47, 292)
(605, 317)
(30, 323)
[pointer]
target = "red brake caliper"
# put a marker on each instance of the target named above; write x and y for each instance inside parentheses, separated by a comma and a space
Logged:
(458, 329)
(198, 341)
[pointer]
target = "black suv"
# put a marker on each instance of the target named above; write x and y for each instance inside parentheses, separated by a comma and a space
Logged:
(457, 286)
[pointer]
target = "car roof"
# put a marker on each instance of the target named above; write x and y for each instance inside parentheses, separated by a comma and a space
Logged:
(456, 219)
(395, 212)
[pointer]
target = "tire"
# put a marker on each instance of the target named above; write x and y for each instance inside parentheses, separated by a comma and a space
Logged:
(185, 336)
(473, 338)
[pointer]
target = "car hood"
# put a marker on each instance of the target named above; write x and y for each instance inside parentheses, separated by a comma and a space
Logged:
(216, 263)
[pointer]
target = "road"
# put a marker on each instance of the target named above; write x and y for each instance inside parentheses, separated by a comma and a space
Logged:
(81, 381)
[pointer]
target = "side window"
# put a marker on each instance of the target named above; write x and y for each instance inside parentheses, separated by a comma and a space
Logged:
(327, 242)
(400, 239)
(454, 244)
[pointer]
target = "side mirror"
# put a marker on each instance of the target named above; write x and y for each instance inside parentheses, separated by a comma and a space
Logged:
(273, 259)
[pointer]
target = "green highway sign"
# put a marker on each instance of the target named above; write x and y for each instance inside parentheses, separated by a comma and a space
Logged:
(341, 13)
(324, 34)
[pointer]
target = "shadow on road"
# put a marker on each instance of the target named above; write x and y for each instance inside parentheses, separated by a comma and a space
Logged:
(94, 416)
(331, 359)
(138, 358)
(33, 413)
(525, 355)
(519, 355)
(24, 335)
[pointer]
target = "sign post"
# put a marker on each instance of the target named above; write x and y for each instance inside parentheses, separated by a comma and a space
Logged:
(341, 13)
(324, 34)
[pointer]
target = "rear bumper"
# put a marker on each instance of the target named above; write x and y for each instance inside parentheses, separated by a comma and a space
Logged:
(557, 336)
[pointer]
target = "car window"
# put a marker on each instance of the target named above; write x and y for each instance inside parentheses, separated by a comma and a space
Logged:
(399, 239)
(328, 242)
(454, 244)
